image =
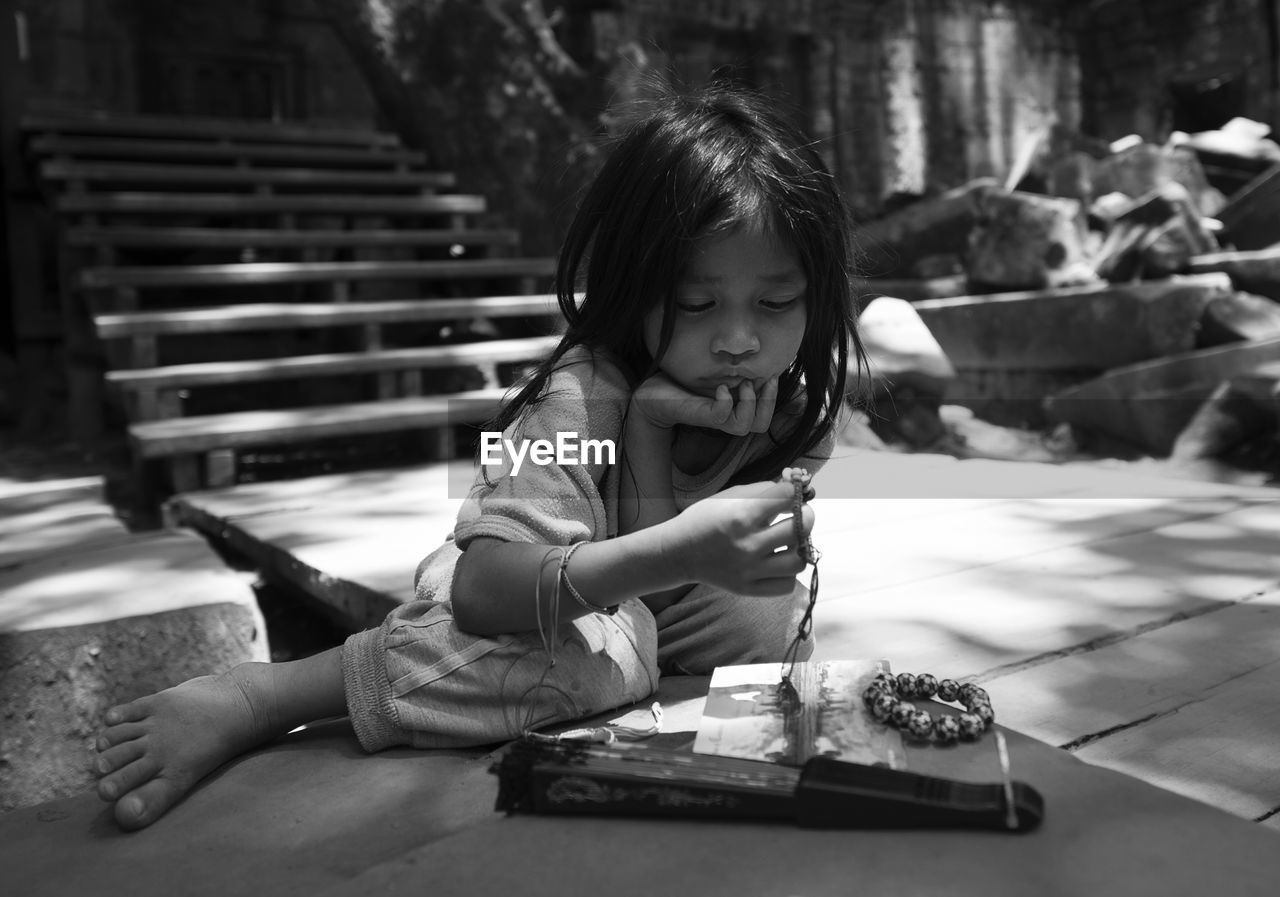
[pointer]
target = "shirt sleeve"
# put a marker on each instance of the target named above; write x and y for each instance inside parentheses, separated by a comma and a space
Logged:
(558, 503)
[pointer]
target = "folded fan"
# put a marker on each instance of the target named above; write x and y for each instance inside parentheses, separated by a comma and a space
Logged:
(537, 776)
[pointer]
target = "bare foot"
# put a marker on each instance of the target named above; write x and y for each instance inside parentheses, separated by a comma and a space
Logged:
(155, 749)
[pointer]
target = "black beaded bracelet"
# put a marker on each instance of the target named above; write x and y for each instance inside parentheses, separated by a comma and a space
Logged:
(884, 698)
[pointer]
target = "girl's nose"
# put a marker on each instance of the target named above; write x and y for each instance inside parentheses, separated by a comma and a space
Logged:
(737, 339)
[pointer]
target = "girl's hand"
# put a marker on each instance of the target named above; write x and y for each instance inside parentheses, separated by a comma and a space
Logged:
(664, 403)
(731, 541)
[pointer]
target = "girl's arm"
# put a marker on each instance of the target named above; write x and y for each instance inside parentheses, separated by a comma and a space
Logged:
(633, 567)
(659, 553)
(646, 496)
(495, 583)
(730, 541)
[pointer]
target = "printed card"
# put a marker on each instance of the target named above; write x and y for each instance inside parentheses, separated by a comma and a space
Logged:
(745, 716)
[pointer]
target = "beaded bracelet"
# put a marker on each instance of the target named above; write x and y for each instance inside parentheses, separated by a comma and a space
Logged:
(801, 493)
(884, 695)
(564, 577)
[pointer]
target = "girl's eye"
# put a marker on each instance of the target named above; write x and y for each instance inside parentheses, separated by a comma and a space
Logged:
(780, 304)
(693, 306)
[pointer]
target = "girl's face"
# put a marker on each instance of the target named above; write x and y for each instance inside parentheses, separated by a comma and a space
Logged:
(740, 313)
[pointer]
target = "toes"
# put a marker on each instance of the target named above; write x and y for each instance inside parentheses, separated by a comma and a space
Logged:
(114, 735)
(118, 757)
(126, 713)
(127, 778)
(145, 805)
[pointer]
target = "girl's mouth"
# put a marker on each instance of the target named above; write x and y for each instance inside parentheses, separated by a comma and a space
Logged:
(733, 381)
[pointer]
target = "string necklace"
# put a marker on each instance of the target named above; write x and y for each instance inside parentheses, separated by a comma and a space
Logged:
(788, 696)
(547, 635)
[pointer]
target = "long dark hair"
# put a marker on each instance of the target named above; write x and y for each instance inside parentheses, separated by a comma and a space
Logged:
(699, 164)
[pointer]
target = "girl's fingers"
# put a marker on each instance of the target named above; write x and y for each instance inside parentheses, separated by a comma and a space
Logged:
(782, 534)
(765, 406)
(744, 410)
(786, 562)
(782, 586)
(776, 499)
(768, 500)
(722, 410)
(779, 586)
(809, 492)
(666, 403)
(699, 411)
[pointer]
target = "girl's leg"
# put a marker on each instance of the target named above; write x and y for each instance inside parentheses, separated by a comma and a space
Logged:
(155, 749)
(419, 680)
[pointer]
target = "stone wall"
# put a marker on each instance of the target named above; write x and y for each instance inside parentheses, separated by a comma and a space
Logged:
(1150, 66)
(907, 98)
(272, 59)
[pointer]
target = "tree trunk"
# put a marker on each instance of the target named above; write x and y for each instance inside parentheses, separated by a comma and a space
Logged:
(486, 91)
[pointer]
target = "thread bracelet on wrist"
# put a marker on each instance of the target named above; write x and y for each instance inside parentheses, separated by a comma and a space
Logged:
(574, 593)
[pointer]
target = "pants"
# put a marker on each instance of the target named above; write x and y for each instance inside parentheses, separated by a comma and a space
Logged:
(419, 680)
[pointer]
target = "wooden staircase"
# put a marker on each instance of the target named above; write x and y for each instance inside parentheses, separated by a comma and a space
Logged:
(259, 289)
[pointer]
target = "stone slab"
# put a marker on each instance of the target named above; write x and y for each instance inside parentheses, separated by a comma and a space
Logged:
(1257, 271)
(1218, 748)
(1239, 317)
(1151, 674)
(1249, 217)
(889, 245)
(56, 683)
(913, 289)
(1149, 403)
(1073, 328)
(977, 615)
(312, 815)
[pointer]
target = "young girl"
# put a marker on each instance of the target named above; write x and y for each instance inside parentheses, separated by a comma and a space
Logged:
(709, 347)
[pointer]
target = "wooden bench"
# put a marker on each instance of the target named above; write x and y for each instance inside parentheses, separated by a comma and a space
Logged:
(222, 151)
(253, 274)
(207, 364)
(104, 241)
(201, 449)
(188, 204)
(77, 174)
(266, 316)
(183, 376)
(121, 288)
(215, 129)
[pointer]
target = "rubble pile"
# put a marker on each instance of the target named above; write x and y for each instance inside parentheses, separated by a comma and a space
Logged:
(1125, 294)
